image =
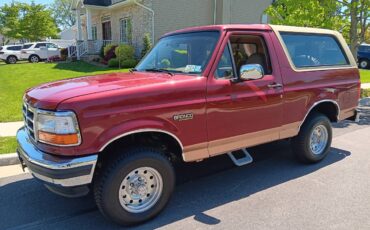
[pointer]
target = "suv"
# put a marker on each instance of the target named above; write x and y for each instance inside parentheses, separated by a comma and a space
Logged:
(35, 52)
(363, 56)
(199, 93)
(10, 53)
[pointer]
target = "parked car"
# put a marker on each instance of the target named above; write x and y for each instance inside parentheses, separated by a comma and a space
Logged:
(38, 51)
(10, 54)
(363, 56)
(199, 93)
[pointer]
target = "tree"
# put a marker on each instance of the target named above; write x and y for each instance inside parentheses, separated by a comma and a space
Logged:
(147, 45)
(351, 17)
(63, 14)
(307, 13)
(10, 20)
(37, 22)
(27, 21)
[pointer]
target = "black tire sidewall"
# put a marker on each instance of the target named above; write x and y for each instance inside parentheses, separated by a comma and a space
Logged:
(110, 190)
(302, 145)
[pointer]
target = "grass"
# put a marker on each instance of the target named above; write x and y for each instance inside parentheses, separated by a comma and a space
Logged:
(15, 79)
(8, 145)
(365, 76)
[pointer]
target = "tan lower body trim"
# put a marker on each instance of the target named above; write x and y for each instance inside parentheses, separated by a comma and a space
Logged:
(195, 152)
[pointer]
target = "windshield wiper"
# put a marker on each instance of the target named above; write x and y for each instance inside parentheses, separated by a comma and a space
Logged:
(159, 71)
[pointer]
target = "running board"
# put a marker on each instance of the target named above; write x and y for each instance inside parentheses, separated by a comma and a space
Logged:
(246, 159)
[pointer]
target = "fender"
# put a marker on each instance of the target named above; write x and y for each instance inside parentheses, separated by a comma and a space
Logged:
(316, 104)
(127, 128)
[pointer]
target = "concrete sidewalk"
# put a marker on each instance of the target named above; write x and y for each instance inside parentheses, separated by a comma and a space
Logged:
(365, 86)
(9, 129)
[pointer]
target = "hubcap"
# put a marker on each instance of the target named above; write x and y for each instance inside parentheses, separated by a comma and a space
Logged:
(363, 64)
(318, 139)
(34, 59)
(12, 60)
(140, 190)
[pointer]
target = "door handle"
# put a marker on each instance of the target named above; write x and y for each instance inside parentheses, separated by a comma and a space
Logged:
(274, 85)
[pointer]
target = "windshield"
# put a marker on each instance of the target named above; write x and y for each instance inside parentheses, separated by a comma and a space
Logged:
(182, 53)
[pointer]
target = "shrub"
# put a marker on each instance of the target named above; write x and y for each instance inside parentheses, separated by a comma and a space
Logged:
(129, 63)
(109, 54)
(125, 52)
(101, 52)
(113, 62)
(365, 93)
(107, 48)
(147, 45)
(64, 52)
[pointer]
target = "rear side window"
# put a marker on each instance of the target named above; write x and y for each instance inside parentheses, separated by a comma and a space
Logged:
(27, 46)
(14, 48)
(309, 50)
(39, 45)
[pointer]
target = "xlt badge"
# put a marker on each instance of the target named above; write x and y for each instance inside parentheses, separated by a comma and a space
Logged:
(183, 117)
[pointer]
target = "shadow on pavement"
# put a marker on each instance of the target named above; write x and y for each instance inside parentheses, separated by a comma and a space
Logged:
(26, 204)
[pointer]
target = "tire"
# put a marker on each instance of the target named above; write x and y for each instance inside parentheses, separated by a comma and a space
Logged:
(318, 127)
(34, 58)
(113, 185)
(11, 59)
(364, 64)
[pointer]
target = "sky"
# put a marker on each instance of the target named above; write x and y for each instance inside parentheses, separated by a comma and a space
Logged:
(2, 2)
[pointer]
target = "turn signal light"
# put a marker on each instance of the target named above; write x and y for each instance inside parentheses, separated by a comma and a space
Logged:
(58, 139)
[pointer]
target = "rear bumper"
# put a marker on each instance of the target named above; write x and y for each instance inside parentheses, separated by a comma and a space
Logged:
(61, 171)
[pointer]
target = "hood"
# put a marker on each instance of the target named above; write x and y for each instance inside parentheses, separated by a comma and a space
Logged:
(49, 95)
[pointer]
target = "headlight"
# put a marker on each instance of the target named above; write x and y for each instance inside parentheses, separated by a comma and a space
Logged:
(57, 128)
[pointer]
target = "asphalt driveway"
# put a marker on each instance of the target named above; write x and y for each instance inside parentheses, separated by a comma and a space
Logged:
(274, 192)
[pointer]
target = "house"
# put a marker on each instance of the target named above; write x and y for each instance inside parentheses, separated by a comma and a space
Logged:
(69, 34)
(127, 21)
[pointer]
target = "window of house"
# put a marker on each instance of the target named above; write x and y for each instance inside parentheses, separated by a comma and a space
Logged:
(308, 50)
(94, 32)
(125, 30)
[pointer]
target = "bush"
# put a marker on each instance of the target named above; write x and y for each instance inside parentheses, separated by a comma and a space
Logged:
(147, 45)
(109, 54)
(64, 52)
(101, 52)
(113, 62)
(108, 48)
(125, 52)
(130, 63)
(365, 93)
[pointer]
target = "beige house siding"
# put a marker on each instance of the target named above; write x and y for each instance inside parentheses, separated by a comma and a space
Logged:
(173, 15)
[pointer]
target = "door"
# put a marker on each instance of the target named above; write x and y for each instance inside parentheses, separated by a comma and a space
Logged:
(53, 50)
(243, 113)
(41, 50)
(107, 32)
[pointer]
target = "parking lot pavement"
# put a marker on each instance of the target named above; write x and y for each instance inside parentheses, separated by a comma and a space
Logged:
(274, 192)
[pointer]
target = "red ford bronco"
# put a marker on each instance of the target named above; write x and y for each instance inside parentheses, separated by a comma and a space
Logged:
(199, 93)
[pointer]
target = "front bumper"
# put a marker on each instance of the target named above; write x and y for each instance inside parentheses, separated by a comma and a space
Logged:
(55, 170)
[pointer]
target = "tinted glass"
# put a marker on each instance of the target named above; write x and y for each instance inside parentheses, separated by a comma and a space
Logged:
(181, 53)
(364, 48)
(26, 46)
(308, 50)
(39, 45)
(14, 48)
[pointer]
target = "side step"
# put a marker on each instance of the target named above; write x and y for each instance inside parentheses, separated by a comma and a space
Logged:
(242, 158)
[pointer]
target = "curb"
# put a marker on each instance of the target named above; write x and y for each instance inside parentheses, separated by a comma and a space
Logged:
(9, 159)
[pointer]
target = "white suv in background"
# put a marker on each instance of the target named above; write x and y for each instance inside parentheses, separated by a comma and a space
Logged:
(35, 52)
(10, 53)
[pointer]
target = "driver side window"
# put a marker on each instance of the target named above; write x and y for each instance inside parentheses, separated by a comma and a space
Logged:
(225, 68)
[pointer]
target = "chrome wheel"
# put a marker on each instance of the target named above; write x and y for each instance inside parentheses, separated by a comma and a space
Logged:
(140, 190)
(363, 64)
(319, 139)
(12, 60)
(34, 59)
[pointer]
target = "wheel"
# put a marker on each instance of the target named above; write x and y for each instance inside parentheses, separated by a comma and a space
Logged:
(34, 58)
(11, 60)
(314, 139)
(135, 187)
(364, 64)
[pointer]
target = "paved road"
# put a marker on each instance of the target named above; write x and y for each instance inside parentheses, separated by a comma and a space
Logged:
(274, 192)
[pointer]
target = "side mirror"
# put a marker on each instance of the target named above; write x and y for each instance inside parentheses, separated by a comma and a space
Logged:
(251, 72)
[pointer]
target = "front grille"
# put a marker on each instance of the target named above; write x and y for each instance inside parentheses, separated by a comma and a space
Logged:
(29, 119)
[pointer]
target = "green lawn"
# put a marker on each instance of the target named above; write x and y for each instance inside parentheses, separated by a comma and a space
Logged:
(8, 145)
(365, 76)
(15, 79)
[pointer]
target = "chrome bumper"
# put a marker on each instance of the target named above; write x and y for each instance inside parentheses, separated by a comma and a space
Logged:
(63, 171)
